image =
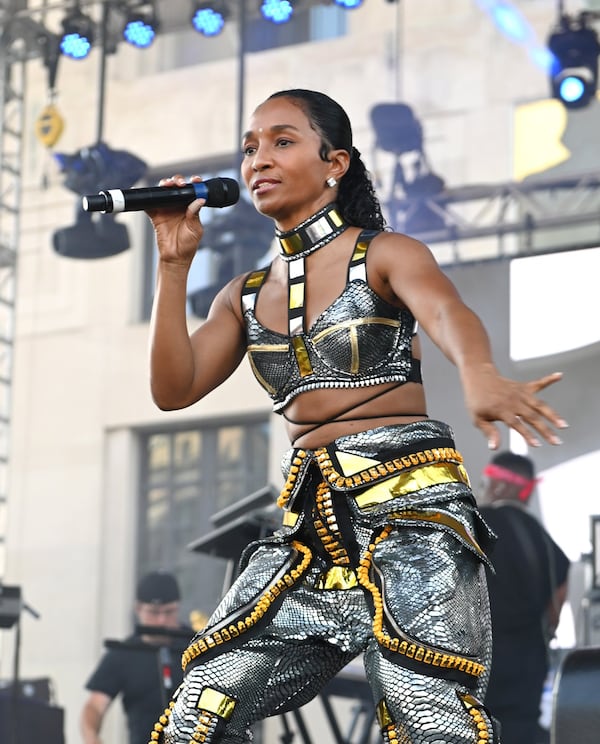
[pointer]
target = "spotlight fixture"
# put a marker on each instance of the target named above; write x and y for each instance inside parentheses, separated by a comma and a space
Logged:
(89, 170)
(78, 34)
(208, 18)
(91, 237)
(99, 167)
(349, 4)
(574, 67)
(141, 25)
(277, 11)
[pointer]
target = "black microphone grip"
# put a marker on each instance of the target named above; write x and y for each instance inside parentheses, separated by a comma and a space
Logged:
(218, 192)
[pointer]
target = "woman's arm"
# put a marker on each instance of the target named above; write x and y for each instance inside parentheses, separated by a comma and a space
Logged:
(185, 368)
(417, 281)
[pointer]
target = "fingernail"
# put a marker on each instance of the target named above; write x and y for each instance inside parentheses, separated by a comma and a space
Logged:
(556, 440)
(563, 424)
(536, 443)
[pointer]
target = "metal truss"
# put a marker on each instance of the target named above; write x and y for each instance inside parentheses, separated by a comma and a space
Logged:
(20, 40)
(539, 215)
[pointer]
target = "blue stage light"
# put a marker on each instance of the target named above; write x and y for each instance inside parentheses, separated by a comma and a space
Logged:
(349, 3)
(574, 70)
(277, 11)
(571, 89)
(208, 18)
(141, 25)
(78, 35)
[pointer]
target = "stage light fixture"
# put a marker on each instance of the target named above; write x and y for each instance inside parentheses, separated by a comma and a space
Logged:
(277, 11)
(92, 169)
(349, 4)
(92, 236)
(88, 171)
(141, 25)
(78, 34)
(574, 67)
(208, 18)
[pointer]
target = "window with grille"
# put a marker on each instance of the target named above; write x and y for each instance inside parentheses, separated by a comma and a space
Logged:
(186, 476)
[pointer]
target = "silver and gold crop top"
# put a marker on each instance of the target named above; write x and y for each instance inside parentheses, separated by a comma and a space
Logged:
(359, 340)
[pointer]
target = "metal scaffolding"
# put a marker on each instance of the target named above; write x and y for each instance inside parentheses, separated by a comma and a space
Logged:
(540, 215)
(21, 39)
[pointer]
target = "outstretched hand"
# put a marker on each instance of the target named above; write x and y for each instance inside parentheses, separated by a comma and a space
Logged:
(178, 231)
(491, 397)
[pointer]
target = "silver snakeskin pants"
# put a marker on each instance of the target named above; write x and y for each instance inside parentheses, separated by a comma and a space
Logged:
(381, 554)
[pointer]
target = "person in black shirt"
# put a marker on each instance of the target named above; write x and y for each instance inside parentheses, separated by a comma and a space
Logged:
(144, 669)
(527, 592)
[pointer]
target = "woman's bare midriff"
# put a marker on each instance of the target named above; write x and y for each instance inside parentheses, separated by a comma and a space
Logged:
(396, 405)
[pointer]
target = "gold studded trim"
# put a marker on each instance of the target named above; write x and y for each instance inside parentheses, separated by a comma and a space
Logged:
(366, 476)
(390, 735)
(297, 461)
(473, 708)
(205, 729)
(327, 528)
(160, 725)
(426, 655)
(261, 606)
(380, 470)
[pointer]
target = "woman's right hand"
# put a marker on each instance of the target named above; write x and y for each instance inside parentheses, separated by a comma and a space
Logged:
(178, 232)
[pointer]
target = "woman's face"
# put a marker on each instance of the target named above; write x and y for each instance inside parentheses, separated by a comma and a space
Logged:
(281, 165)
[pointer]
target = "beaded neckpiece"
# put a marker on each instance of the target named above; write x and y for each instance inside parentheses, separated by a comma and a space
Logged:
(312, 234)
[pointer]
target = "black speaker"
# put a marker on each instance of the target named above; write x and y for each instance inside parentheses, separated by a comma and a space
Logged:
(576, 709)
(27, 720)
(40, 689)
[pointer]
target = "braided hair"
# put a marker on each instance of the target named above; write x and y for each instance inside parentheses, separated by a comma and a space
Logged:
(356, 198)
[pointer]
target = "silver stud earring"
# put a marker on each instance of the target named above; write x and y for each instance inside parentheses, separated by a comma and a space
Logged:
(331, 182)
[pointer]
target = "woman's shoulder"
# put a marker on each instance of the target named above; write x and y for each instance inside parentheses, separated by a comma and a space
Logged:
(389, 245)
(394, 240)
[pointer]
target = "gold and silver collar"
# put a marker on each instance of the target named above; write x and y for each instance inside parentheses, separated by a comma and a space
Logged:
(315, 232)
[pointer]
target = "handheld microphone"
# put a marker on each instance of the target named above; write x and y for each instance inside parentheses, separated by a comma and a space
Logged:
(218, 192)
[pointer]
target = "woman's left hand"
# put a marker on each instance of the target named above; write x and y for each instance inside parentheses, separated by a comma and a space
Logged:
(490, 397)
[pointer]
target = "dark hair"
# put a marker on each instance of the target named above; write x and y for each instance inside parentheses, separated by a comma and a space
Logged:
(518, 464)
(356, 199)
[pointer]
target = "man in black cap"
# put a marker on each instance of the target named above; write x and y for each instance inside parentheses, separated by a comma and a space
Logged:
(144, 669)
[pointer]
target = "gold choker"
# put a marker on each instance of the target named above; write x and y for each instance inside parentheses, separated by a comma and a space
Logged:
(312, 234)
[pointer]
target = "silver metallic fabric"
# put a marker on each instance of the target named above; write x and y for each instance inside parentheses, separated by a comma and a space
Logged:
(390, 570)
(359, 340)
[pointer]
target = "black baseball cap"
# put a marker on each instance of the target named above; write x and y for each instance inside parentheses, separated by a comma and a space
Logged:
(158, 587)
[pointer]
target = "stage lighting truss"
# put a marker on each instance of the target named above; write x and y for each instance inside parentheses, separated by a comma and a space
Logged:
(141, 25)
(574, 70)
(78, 34)
(208, 18)
(277, 11)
